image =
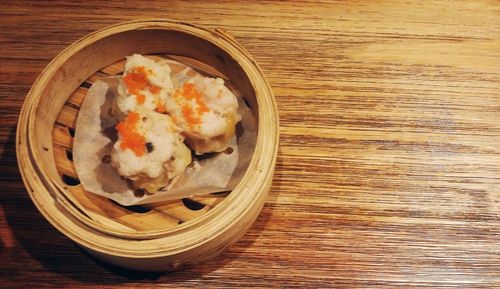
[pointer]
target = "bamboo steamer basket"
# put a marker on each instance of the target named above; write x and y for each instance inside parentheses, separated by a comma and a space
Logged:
(155, 237)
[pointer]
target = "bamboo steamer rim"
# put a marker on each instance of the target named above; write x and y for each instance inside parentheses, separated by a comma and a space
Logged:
(38, 184)
(159, 232)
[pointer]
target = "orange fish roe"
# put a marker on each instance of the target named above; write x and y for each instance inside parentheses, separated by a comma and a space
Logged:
(160, 106)
(140, 98)
(192, 115)
(137, 80)
(154, 89)
(190, 92)
(189, 116)
(130, 138)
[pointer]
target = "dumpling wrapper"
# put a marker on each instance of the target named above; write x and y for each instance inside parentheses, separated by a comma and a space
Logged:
(95, 135)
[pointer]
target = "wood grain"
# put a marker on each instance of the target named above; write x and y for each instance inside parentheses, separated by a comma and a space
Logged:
(389, 166)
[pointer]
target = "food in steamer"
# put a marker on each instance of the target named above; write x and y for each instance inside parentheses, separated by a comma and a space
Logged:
(150, 150)
(158, 110)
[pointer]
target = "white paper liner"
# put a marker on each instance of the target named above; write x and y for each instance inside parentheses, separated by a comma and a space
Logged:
(95, 135)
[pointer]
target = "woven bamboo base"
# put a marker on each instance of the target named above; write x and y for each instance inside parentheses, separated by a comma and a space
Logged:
(156, 216)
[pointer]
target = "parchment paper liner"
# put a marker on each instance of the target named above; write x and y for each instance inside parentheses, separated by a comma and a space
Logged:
(95, 136)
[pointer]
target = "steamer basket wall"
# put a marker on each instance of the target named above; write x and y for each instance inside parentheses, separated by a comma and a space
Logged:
(163, 236)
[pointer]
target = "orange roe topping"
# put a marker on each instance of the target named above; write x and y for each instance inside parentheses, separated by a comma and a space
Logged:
(189, 116)
(190, 92)
(137, 80)
(160, 106)
(140, 98)
(192, 115)
(154, 89)
(130, 138)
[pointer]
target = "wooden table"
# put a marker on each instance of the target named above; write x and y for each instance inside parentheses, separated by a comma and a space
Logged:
(388, 171)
